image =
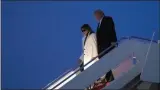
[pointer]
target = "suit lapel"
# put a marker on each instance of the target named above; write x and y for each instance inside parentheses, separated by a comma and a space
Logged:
(100, 23)
(98, 27)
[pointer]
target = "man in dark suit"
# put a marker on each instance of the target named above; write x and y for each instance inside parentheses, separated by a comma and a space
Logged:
(106, 35)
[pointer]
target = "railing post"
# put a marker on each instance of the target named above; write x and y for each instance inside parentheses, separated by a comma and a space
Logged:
(148, 50)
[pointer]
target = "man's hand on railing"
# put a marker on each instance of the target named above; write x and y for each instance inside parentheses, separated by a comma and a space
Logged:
(113, 43)
(94, 58)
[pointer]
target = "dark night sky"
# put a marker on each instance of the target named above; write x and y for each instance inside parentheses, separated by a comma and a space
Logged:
(41, 40)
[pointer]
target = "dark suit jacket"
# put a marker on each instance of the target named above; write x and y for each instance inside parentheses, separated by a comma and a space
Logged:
(105, 33)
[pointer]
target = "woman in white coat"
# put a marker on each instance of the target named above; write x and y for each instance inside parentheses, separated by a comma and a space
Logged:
(89, 47)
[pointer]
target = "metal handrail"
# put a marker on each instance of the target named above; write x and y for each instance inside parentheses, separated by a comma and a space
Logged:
(131, 37)
(57, 78)
(143, 39)
(89, 61)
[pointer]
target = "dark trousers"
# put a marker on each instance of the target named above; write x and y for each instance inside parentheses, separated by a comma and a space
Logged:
(100, 49)
(109, 75)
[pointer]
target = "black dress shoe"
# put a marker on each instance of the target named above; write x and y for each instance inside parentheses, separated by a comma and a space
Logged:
(109, 76)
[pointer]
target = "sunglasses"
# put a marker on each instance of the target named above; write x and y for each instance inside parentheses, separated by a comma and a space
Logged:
(83, 30)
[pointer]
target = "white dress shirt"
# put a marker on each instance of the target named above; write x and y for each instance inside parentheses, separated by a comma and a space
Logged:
(100, 21)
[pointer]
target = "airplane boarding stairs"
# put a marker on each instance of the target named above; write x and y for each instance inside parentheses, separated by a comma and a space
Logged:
(149, 79)
(126, 61)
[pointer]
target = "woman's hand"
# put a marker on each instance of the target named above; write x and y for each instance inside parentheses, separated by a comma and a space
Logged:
(80, 61)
